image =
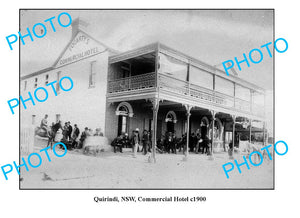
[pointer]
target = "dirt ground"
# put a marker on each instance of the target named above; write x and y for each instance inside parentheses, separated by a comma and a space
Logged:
(110, 170)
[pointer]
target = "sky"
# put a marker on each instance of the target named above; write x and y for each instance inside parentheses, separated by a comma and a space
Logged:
(212, 36)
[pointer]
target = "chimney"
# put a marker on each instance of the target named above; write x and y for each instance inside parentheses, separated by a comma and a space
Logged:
(77, 25)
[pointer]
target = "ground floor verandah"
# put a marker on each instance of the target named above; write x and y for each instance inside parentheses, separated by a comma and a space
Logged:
(161, 117)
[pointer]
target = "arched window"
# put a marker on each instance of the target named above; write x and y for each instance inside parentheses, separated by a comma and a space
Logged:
(123, 111)
(205, 121)
(124, 108)
(171, 119)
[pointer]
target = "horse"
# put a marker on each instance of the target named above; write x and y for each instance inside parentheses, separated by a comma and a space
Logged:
(42, 133)
(245, 147)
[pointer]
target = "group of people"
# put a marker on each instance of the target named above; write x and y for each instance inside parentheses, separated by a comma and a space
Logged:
(169, 143)
(198, 142)
(135, 142)
(67, 134)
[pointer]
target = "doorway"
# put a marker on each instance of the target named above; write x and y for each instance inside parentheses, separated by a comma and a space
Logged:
(170, 120)
(170, 126)
(122, 124)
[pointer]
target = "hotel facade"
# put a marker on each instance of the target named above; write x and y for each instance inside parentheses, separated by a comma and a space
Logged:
(153, 87)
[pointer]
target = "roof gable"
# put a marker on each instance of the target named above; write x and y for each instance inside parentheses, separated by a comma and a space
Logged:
(80, 47)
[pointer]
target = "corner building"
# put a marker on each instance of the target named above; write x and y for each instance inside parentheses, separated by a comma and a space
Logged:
(154, 87)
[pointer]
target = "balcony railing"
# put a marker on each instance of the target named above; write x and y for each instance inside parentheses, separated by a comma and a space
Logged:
(142, 81)
(182, 88)
(172, 84)
(242, 105)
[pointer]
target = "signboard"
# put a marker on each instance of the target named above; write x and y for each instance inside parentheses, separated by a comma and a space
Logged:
(81, 47)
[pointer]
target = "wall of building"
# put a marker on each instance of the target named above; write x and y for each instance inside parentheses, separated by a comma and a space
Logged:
(143, 115)
(179, 126)
(82, 105)
(140, 119)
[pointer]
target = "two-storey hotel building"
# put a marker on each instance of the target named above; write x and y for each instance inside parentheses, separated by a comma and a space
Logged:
(153, 87)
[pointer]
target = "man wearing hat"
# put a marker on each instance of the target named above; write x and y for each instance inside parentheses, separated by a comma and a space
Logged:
(83, 136)
(146, 141)
(135, 141)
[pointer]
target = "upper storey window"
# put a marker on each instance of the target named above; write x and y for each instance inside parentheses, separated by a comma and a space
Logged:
(92, 75)
(25, 85)
(201, 78)
(58, 76)
(172, 67)
(242, 93)
(35, 82)
(46, 79)
(224, 86)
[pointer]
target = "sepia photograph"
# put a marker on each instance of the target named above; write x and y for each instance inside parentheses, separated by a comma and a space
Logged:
(146, 98)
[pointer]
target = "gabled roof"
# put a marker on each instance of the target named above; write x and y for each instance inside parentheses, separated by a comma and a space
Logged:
(66, 47)
(112, 51)
(36, 73)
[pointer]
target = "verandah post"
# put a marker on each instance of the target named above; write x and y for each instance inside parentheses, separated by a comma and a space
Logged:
(188, 115)
(213, 113)
(233, 136)
(250, 132)
(155, 107)
(264, 134)
(233, 131)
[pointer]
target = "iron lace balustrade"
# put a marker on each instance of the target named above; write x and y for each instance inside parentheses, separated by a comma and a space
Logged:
(193, 91)
(173, 85)
(242, 105)
(142, 81)
(182, 88)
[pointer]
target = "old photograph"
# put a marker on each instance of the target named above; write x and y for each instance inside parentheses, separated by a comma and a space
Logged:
(146, 99)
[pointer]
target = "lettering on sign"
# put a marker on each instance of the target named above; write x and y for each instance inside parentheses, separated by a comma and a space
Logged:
(81, 38)
(79, 56)
(82, 46)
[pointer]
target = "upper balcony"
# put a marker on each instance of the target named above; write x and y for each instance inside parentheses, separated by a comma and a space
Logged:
(154, 70)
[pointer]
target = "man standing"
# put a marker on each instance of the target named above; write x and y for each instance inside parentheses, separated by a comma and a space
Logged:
(69, 130)
(76, 132)
(75, 135)
(204, 137)
(146, 141)
(83, 136)
(198, 140)
(126, 141)
(65, 131)
(135, 141)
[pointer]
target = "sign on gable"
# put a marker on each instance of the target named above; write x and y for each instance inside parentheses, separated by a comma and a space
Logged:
(81, 47)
